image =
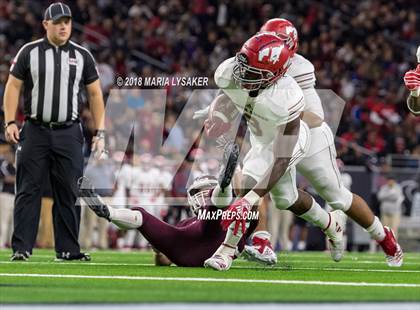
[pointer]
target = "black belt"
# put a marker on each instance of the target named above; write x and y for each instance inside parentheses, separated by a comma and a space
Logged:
(52, 125)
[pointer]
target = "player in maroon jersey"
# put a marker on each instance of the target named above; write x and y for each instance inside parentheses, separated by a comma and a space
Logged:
(191, 241)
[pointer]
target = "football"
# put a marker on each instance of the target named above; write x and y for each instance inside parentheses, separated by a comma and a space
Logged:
(413, 104)
(221, 114)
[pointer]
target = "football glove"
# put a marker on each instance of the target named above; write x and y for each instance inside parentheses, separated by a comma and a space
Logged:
(236, 213)
(412, 79)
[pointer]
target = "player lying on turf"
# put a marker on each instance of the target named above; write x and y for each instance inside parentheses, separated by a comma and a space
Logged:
(254, 83)
(191, 241)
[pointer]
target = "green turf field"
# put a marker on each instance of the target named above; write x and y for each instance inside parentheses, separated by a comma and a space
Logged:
(131, 277)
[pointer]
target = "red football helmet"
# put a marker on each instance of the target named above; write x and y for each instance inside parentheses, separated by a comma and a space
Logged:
(285, 30)
(262, 60)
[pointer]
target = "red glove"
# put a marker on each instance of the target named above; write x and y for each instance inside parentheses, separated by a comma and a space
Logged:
(215, 127)
(412, 79)
(236, 213)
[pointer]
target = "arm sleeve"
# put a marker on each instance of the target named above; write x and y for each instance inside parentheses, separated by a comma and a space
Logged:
(286, 101)
(20, 64)
(306, 80)
(292, 113)
(296, 109)
(90, 72)
(313, 102)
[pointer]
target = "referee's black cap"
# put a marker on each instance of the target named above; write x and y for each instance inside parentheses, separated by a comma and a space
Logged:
(57, 10)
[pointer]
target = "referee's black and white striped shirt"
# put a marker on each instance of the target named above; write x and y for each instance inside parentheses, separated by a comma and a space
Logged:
(53, 78)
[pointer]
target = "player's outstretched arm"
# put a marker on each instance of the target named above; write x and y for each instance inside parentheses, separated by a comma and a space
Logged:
(123, 218)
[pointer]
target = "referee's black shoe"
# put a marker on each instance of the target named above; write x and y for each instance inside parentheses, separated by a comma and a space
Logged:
(67, 256)
(229, 162)
(92, 199)
(20, 256)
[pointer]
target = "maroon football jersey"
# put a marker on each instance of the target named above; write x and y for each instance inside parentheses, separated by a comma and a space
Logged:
(190, 242)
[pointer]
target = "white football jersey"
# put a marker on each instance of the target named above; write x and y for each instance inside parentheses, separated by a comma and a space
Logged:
(276, 105)
(124, 176)
(165, 179)
(302, 70)
(145, 185)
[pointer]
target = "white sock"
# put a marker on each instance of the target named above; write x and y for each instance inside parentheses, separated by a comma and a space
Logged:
(376, 230)
(126, 218)
(222, 199)
(228, 246)
(317, 216)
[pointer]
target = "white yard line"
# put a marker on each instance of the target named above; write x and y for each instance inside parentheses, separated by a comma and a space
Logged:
(283, 259)
(282, 256)
(291, 268)
(353, 261)
(283, 268)
(226, 280)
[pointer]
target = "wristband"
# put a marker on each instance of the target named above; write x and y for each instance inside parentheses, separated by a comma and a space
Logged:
(9, 123)
(415, 93)
(252, 197)
(100, 133)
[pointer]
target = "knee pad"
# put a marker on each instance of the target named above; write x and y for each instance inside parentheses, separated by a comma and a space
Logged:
(285, 201)
(321, 138)
(341, 200)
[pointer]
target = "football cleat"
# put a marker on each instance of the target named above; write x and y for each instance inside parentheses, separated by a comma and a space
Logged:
(92, 199)
(220, 262)
(335, 232)
(393, 251)
(229, 162)
(67, 256)
(261, 250)
(18, 256)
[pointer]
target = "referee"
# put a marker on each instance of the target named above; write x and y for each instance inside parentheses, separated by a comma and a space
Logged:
(52, 71)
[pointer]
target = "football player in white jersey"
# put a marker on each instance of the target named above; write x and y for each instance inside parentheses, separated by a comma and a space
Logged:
(319, 165)
(164, 179)
(255, 82)
(143, 192)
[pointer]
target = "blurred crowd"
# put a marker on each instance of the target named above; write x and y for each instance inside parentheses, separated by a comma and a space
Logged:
(360, 49)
